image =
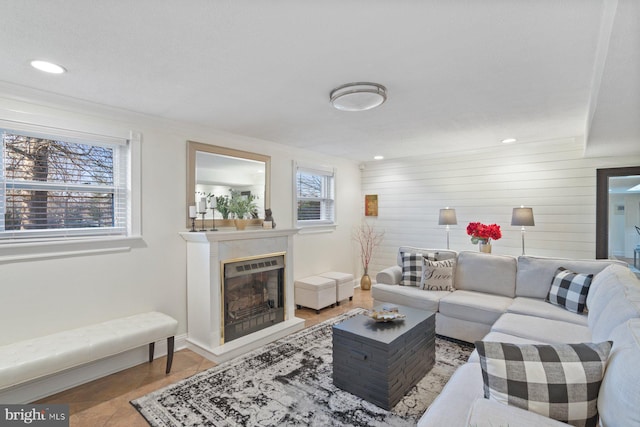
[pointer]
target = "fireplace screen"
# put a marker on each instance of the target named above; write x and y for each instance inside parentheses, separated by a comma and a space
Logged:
(253, 291)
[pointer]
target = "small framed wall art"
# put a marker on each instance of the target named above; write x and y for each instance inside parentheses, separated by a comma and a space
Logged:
(371, 205)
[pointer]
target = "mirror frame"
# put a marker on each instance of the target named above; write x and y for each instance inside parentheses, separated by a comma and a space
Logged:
(602, 205)
(193, 147)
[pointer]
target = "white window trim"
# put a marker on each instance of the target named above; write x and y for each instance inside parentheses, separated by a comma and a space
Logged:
(320, 226)
(40, 248)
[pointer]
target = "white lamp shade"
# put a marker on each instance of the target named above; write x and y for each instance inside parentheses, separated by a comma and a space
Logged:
(522, 217)
(447, 217)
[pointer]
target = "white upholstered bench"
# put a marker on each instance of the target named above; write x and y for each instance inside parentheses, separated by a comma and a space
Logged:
(34, 358)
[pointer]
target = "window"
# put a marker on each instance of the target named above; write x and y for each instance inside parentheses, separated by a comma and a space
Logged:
(62, 184)
(315, 196)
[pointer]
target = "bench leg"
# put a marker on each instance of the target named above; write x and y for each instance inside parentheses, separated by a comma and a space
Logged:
(170, 344)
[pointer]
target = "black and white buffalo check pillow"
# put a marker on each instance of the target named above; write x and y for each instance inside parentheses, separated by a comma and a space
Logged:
(558, 381)
(569, 289)
(412, 266)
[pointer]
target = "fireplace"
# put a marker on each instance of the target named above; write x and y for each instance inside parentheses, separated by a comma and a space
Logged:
(253, 295)
(256, 308)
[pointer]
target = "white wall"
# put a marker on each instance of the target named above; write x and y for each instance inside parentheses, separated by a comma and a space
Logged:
(44, 296)
(553, 178)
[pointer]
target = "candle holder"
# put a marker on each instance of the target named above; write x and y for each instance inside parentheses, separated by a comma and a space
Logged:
(213, 218)
(203, 214)
(193, 224)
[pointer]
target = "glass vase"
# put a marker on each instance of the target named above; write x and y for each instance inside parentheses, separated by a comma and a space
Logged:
(484, 247)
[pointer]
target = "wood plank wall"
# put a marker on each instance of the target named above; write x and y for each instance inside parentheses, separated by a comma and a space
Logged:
(554, 178)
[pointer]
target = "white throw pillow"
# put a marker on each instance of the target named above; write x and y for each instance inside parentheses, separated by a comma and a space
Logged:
(438, 275)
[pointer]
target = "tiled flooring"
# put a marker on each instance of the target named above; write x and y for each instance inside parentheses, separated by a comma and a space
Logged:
(105, 402)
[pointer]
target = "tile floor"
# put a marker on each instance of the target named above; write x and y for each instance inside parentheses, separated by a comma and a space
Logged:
(105, 402)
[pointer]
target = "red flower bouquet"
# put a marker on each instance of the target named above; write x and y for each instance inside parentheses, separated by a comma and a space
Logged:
(483, 233)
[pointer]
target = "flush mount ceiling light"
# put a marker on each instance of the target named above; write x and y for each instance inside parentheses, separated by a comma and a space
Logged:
(359, 96)
(48, 67)
(508, 140)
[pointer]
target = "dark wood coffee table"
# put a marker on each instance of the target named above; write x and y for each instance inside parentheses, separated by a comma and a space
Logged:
(380, 362)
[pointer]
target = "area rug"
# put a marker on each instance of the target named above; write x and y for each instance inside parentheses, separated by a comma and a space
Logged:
(289, 383)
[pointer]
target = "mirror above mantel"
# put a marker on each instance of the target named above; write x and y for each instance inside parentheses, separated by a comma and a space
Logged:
(215, 170)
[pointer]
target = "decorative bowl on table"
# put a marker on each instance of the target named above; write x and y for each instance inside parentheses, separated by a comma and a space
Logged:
(385, 316)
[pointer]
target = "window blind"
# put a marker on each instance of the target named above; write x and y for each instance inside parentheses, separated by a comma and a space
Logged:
(315, 196)
(52, 186)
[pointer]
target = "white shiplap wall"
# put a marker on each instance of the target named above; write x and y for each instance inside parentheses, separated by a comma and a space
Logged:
(554, 178)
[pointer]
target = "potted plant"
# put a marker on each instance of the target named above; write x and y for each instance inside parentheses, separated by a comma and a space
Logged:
(368, 238)
(241, 206)
(482, 234)
(222, 206)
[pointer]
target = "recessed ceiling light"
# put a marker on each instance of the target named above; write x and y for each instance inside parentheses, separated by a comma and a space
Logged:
(48, 67)
(508, 140)
(378, 157)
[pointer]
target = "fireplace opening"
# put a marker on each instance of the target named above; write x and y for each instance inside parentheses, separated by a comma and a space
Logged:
(253, 291)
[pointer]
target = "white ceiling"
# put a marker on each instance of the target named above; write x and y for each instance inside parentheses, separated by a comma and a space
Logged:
(461, 74)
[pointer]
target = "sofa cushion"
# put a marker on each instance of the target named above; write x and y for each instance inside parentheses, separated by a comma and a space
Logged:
(620, 308)
(409, 296)
(474, 306)
(535, 273)
(602, 282)
(488, 413)
(620, 389)
(438, 275)
(412, 267)
(492, 274)
(569, 289)
(540, 308)
(540, 329)
(605, 295)
(463, 330)
(559, 381)
(451, 406)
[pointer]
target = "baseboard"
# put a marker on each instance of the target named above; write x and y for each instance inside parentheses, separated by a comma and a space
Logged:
(55, 383)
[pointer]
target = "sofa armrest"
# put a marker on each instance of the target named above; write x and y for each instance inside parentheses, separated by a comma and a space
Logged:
(489, 413)
(390, 276)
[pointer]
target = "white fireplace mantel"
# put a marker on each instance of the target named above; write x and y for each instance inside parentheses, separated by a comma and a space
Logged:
(205, 252)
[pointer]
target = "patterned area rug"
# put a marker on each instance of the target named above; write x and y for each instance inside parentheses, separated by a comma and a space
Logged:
(289, 383)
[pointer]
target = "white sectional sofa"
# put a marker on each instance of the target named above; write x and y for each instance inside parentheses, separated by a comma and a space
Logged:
(503, 299)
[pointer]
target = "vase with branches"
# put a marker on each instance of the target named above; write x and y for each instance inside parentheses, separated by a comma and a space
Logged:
(368, 238)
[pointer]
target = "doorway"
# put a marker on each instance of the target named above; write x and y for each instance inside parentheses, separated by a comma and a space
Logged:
(618, 214)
